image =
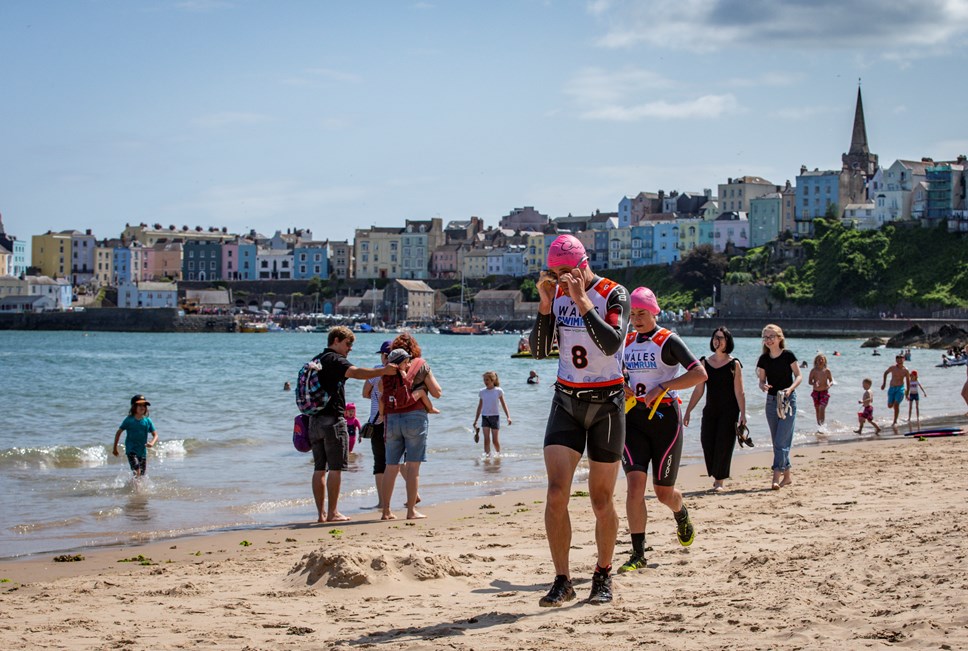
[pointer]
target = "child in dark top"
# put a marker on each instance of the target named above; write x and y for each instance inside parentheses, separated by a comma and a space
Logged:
(779, 375)
(138, 426)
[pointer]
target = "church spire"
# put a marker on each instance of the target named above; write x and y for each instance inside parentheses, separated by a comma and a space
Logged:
(858, 140)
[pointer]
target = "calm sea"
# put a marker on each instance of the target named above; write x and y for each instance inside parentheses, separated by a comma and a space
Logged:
(225, 457)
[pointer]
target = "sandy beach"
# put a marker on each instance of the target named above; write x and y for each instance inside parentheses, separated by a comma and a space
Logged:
(866, 550)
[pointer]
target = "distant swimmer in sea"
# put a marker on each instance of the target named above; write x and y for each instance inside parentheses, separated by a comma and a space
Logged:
(533, 377)
(286, 387)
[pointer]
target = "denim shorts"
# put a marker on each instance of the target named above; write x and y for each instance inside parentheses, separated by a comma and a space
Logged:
(491, 422)
(406, 437)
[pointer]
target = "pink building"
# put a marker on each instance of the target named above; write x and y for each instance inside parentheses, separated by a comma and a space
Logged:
(162, 260)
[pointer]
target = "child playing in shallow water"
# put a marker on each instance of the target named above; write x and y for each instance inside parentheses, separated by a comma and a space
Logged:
(866, 415)
(915, 391)
(138, 426)
(488, 410)
(820, 379)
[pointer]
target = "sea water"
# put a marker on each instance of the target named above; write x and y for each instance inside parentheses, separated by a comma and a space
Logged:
(225, 460)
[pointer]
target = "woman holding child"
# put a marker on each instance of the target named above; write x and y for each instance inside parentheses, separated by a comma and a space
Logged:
(405, 403)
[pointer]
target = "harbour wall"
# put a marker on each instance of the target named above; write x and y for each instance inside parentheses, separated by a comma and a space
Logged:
(115, 319)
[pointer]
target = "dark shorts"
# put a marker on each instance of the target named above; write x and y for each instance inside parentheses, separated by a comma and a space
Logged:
(914, 397)
(330, 441)
(139, 464)
(599, 425)
(491, 422)
(656, 442)
(867, 413)
(379, 447)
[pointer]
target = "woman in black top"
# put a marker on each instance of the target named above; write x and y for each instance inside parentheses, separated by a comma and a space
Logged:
(725, 406)
(779, 376)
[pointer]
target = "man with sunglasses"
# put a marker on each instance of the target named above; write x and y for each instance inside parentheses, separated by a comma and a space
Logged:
(589, 315)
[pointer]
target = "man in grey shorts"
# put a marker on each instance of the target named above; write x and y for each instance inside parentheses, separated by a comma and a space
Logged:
(327, 429)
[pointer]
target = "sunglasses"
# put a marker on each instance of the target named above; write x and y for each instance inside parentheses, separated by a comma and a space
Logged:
(769, 337)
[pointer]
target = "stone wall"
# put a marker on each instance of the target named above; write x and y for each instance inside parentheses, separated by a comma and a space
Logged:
(119, 320)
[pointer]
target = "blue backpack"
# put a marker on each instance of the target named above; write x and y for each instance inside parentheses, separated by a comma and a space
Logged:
(310, 396)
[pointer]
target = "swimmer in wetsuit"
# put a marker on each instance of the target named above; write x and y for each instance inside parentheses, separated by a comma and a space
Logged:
(652, 359)
(589, 315)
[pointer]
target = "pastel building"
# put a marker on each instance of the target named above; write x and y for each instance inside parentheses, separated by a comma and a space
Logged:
(474, 263)
(693, 232)
(17, 261)
(339, 256)
(310, 261)
(163, 260)
(377, 252)
(51, 253)
(765, 217)
(83, 247)
(128, 264)
(817, 192)
(731, 228)
(147, 295)
(415, 253)
(665, 248)
(104, 262)
(536, 254)
(735, 195)
(620, 248)
(58, 290)
(445, 260)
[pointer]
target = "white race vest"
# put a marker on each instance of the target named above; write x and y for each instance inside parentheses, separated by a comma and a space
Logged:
(581, 363)
(643, 361)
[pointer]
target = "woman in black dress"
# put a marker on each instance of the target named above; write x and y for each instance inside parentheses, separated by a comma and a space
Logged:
(725, 406)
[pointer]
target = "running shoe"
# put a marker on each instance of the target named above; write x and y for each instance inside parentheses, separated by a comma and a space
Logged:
(601, 589)
(561, 591)
(685, 532)
(635, 562)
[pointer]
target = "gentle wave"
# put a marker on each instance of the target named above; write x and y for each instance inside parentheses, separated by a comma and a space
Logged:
(88, 456)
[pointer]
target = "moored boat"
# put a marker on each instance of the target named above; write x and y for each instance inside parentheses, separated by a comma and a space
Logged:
(526, 354)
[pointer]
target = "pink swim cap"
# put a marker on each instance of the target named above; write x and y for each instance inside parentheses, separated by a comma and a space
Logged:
(644, 299)
(567, 250)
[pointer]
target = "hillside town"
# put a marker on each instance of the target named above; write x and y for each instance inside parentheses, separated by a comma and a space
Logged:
(146, 262)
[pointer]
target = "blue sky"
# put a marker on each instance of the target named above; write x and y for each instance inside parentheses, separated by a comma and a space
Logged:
(337, 115)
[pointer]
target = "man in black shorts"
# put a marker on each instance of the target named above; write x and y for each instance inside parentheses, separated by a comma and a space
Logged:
(327, 429)
(588, 314)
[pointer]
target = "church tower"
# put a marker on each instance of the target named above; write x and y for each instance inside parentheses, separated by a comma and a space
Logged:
(859, 164)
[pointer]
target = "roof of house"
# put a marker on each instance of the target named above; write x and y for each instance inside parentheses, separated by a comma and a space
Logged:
(497, 294)
(208, 296)
(415, 285)
(14, 301)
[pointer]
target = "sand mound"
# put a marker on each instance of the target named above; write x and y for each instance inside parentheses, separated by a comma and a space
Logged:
(345, 569)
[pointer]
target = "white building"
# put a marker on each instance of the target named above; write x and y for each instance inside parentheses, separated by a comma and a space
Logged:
(59, 291)
(148, 295)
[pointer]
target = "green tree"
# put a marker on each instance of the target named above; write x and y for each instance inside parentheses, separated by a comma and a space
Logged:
(529, 289)
(700, 269)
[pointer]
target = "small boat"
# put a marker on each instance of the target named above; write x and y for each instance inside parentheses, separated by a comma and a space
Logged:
(952, 361)
(253, 326)
(526, 354)
(476, 328)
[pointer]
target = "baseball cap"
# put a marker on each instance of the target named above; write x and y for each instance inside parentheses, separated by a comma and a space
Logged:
(644, 299)
(567, 250)
(397, 355)
(139, 400)
(385, 348)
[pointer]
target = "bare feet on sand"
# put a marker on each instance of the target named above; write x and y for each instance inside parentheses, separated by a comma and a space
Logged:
(415, 515)
(337, 517)
(388, 516)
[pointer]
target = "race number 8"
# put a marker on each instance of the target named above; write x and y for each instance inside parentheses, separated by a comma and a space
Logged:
(579, 357)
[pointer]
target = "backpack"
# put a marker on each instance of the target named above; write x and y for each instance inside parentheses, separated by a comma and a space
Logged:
(397, 389)
(300, 433)
(310, 397)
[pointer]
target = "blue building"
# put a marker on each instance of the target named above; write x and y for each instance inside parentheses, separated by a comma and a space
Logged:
(764, 219)
(655, 243)
(247, 260)
(202, 260)
(121, 261)
(817, 191)
(310, 260)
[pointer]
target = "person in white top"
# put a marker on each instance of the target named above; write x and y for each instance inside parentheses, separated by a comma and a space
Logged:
(915, 391)
(488, 410)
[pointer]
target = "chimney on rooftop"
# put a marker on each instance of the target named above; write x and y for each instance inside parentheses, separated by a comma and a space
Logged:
(803, 170)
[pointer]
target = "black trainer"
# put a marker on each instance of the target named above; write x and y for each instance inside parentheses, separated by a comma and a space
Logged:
(601, 589)
(561, 591)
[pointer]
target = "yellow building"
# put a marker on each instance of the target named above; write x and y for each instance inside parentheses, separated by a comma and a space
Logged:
(104, 265)
(378, 252)
(535, 254)
(51, 253)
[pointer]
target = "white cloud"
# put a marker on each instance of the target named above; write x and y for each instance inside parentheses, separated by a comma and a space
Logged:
(598, 7)
(710, 25)
(705, 107)
(595, 86)
(766, 79)
(229, 119)
(804, 112)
